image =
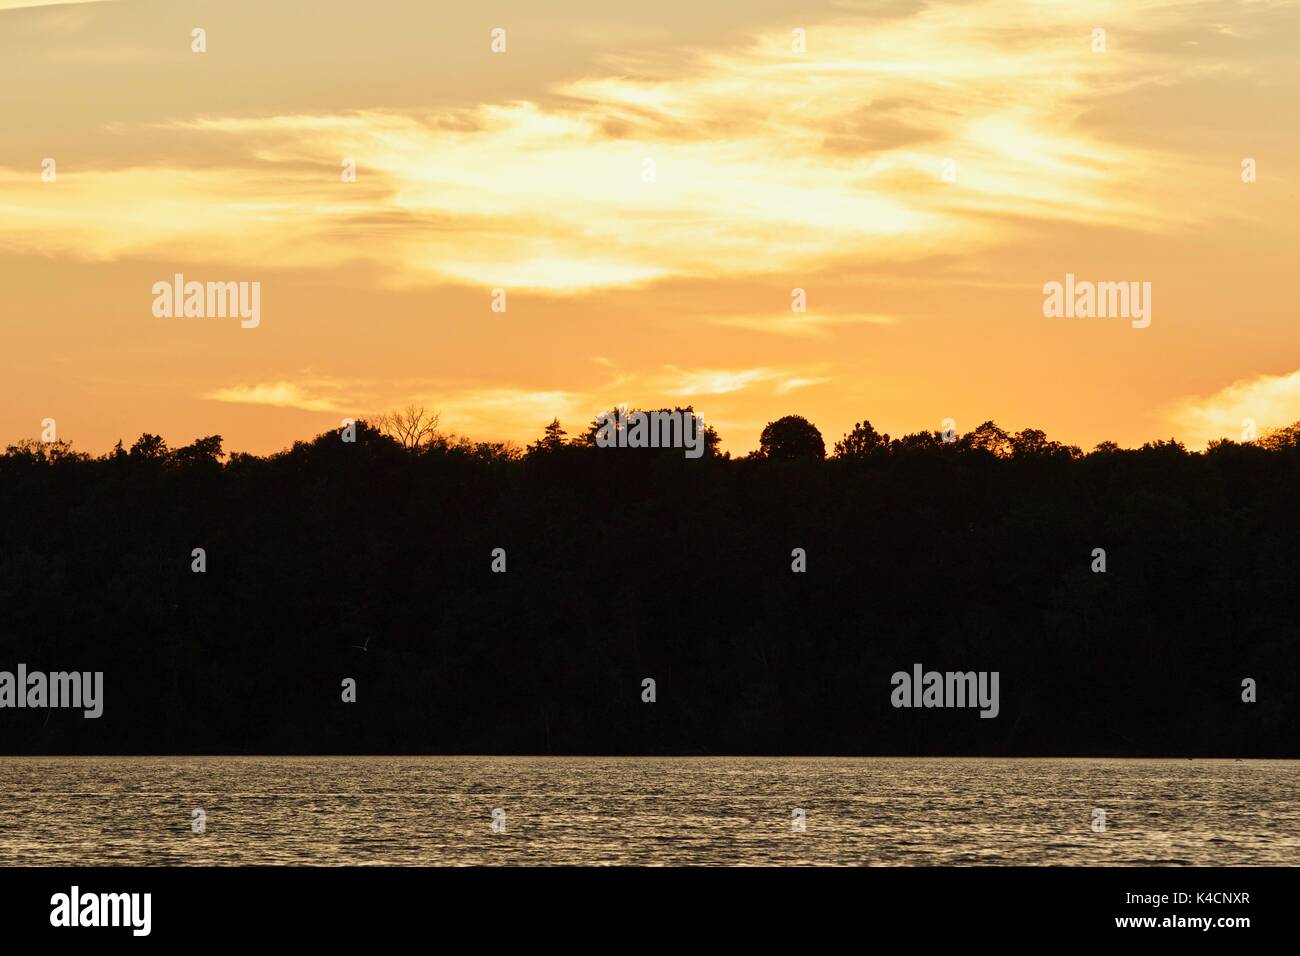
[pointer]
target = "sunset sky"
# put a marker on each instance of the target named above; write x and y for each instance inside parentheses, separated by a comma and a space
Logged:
(526, 170)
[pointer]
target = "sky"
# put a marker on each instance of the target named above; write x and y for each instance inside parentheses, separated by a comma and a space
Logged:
(643, 188)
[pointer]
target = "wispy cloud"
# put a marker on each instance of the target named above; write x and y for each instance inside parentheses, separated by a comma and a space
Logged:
(631, 177)
(693, 382)
(279, 395)
(790, 384)
(16, 4)
(496, 411)
(801, 324)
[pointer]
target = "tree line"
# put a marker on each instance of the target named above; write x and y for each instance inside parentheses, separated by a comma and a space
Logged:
(371, 559)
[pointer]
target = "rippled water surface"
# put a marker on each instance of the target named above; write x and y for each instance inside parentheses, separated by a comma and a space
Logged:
(645, 811)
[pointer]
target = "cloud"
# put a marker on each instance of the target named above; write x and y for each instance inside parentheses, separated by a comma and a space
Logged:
(801, 324)
(208, 215)
(493, 411)
(746, 161)
(18, 4)
(279, 395)
(789, 385)
(689, 382)
(1270, 401)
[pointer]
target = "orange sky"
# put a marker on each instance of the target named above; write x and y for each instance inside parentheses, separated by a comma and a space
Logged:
(527, 171)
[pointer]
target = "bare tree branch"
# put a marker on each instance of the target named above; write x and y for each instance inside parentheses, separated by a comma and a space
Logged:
(412, 427)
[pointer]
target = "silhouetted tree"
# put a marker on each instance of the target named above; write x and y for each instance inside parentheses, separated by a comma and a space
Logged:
(919, 441)
(988, 437)
(1034, 442)
(552, 440)
(790, 438)
(862, 442)
(412, 427)
(203, 450)
(32, 450)
(149, 447)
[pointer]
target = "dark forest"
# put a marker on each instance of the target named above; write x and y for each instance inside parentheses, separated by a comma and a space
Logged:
(372, 559)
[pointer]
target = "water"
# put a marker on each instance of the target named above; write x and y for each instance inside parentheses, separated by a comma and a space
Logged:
(645, 811)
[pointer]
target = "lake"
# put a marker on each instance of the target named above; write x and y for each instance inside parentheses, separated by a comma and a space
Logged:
(397, 811)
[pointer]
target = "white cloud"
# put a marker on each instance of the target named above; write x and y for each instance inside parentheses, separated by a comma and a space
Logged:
(1270, 401)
